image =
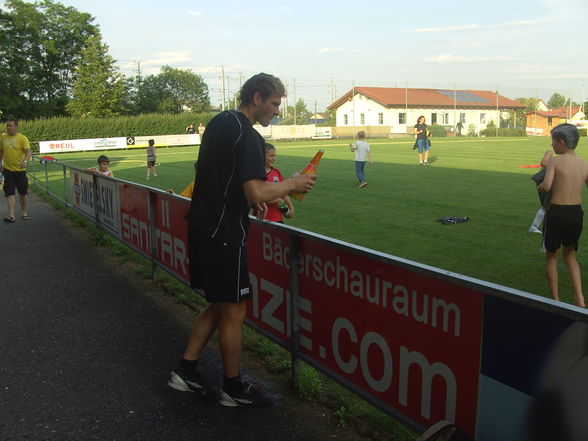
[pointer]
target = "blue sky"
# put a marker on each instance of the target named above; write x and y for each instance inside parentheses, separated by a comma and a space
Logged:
(525, 48)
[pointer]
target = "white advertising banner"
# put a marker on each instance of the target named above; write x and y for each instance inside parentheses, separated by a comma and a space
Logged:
(164, 140)
(80, 145)
(106, 202)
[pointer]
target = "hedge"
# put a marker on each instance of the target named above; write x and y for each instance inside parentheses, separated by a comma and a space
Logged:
(62, 128)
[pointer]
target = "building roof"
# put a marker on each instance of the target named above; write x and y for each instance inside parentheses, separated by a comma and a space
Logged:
(560, 112)
(401, 97)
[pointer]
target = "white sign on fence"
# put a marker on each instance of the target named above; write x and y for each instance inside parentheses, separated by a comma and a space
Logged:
(80, 145)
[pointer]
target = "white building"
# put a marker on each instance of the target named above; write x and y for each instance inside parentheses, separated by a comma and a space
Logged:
(399, 108)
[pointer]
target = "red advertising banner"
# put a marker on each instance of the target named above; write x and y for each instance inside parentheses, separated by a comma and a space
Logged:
(408, 339)
(170, 227)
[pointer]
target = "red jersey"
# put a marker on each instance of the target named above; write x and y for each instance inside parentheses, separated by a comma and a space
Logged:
(273, 212)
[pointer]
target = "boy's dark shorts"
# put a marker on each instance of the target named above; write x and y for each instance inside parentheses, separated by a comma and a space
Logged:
(150, 163)
(15, 180)
(563, 226)
(220, 269)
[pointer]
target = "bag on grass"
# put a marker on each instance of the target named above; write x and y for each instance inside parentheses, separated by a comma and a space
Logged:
(453, 220)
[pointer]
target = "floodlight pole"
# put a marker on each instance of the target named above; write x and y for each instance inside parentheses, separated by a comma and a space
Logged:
(497, 112)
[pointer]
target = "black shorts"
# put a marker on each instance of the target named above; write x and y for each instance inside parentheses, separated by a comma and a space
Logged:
(150, 163)
(220, 269)
(15, 180)
(563, 226)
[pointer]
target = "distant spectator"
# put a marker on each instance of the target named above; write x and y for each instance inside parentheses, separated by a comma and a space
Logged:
(201, 129)
(151, 157)
(190, 129)
(459, 127)
(422, 142)
(362, 154)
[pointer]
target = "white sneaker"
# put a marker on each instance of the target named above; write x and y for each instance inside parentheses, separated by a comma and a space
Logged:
(534, 229)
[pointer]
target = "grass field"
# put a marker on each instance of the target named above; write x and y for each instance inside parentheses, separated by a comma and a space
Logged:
(396, 212)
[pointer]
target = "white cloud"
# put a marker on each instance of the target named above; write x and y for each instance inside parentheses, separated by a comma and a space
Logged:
(470, 27)
(197, 14)
(325, 50)
(172, 57)
(450, 58)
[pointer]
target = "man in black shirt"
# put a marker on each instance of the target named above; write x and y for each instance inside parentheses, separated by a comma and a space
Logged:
(230, 180)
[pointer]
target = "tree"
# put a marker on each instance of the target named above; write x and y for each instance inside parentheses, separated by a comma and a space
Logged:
(99, 88)
(530, 104)
(172, 91)
(556, 100)
(301, 112)
(40, 45)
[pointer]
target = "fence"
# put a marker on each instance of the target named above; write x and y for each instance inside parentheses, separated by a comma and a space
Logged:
(420, 343)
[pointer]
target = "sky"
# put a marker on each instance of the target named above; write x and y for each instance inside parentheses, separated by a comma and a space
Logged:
(321, 49)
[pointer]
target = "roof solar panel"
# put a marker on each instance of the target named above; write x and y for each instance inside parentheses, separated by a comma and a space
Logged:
(463, 96)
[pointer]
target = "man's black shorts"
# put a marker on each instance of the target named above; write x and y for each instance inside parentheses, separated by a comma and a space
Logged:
(220, 269)
(15, 180)
(563, 226)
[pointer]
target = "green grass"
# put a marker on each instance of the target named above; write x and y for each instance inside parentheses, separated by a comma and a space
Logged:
(396, 212)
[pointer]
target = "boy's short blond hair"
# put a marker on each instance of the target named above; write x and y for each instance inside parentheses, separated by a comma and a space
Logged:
(361, 134)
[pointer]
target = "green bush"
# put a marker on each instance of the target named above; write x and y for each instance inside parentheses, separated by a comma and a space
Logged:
(472, 131)
(437, 130)
(59, 128)
(583, 132)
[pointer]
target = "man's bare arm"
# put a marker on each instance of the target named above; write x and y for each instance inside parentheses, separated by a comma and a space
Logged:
(258, 191)
(547, 183)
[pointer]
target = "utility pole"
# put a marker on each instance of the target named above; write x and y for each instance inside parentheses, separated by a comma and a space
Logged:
(497, 113)
(294, 98)
(222, 88)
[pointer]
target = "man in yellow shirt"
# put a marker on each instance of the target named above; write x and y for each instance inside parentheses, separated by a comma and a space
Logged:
(15, 152)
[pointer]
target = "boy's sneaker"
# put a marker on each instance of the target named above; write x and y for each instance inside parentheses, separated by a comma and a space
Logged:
(363, 184)
(534, 229)
(248, 396)
(188, 383)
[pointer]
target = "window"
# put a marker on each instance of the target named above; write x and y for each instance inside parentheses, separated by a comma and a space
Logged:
(402, 118)
(345, 120)
(433, 118)
(482, 118)
(362, 118)
(550, 120)
(462, 118)
(380, 118)
(444, 118)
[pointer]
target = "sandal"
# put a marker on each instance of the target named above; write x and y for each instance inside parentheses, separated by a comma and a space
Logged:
(9, 219)
(26, 217)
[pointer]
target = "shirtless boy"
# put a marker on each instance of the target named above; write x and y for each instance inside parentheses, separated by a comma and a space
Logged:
(565, 177)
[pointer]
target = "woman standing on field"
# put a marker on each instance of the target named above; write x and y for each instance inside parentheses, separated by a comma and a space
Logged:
(423, 145)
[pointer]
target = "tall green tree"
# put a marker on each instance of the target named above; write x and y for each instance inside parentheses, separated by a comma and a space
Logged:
(530, 104)
(40, 46)
(556, 100)
(301, 112)
(172, 91)
(99, 89)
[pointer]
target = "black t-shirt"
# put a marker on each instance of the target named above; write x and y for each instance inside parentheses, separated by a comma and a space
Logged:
(422, 127)
(191, 130)
(231, 153)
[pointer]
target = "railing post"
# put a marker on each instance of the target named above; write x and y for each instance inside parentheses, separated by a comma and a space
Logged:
(34, 170)
(152, 235)
(46, 179)
(65, 186)
(294, 309)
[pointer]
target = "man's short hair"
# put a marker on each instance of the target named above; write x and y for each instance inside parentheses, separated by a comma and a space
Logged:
(567, 133)
(151, 142)
(14, 120)
(267, 85)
